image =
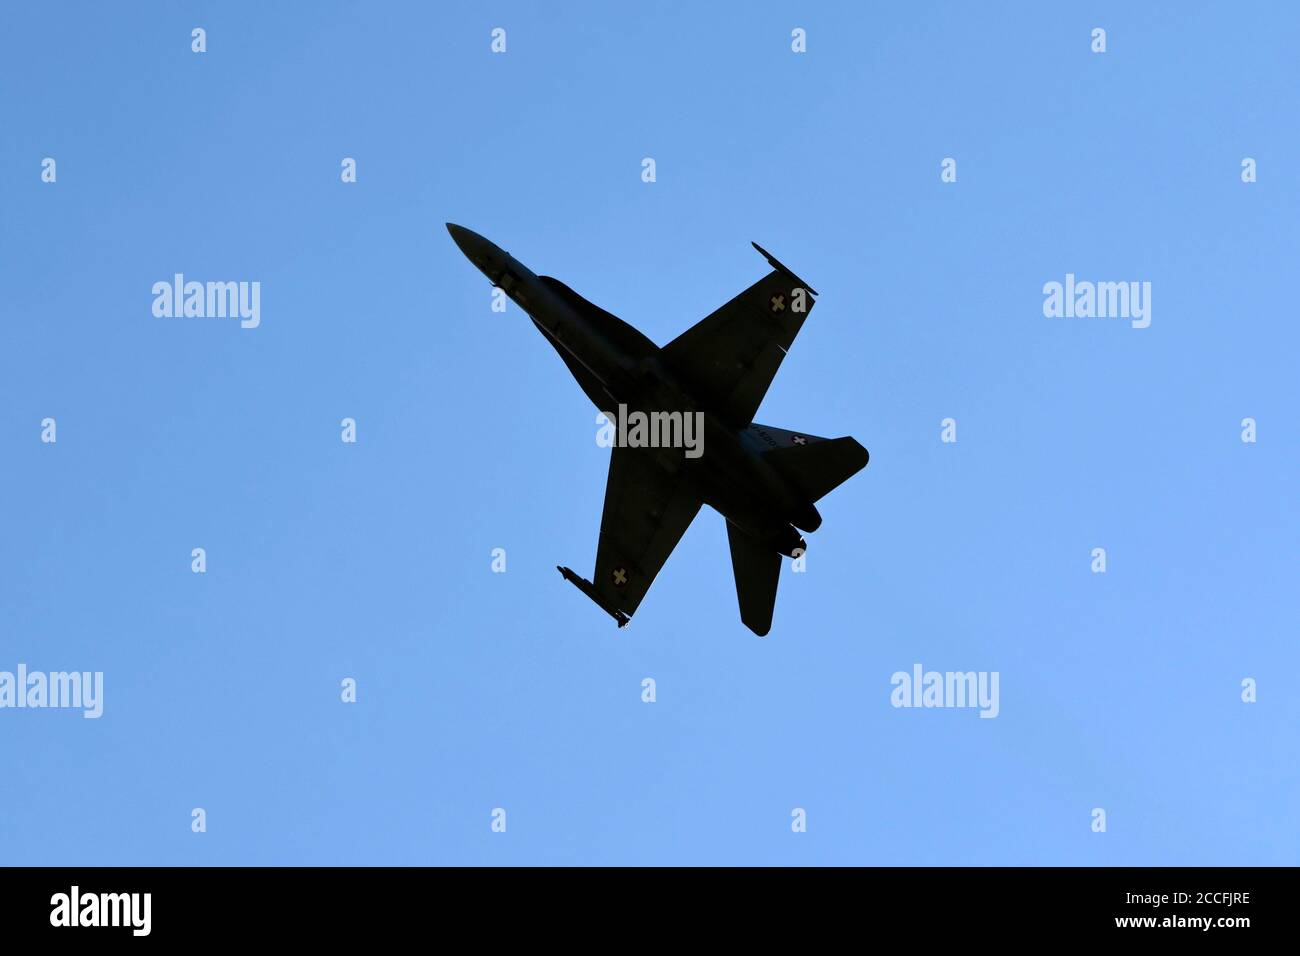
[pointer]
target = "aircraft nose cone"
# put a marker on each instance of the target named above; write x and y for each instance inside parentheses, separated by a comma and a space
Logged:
(474, 246)
(459, 234)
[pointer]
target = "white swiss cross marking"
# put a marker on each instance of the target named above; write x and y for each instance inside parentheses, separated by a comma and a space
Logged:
(620, 577)
(778, 303)
(799, 439)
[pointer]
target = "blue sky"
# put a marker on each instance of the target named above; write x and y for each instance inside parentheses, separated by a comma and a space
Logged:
(372, 560)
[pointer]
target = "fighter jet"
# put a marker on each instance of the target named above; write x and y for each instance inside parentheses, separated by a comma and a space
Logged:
(763, 480)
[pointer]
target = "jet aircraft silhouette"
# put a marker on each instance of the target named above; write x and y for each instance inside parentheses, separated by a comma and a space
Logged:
(763, 480)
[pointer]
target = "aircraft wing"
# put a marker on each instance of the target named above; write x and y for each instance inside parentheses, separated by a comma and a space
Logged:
(731, 356)
(647, 510)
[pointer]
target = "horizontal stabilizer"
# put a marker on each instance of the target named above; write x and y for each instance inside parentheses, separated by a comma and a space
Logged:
(757, 567)
(770, 438)
(818, 465)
